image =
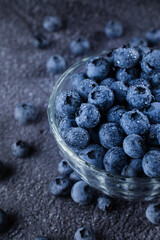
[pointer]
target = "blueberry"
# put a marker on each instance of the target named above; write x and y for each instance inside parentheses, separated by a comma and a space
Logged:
(150, 62)
(63, 168)
(102, 97)
(52, 23)
(114, 160)
(97, 68)
(104, 203)
(87, 116)
(138, 81)
(151, 163)
(56, 64)
(153, 36)
(110, 135)
(60, 186)
(115, 113)
(77, 78)
(40, 41)
(107, 82)
(120, 91)
(93, 154)
(155, 81)
(134, 122)
(133, 169)
(74, 177)
(65, 124)
(67, 103)
(82, 193)
(128, 171)
(156, 94)
(138, 41)
(153, 213)
(25, 113)
(41, 238)
(125, 75)
(20, 149)
(2, 170)
(77, 137)
(126, 57)
(3, 221)
(84, 234)
(113, 29)
(154, 135)
(134, 146)
(85, 87)
(153, 112)
(80, 46)
(139, 96)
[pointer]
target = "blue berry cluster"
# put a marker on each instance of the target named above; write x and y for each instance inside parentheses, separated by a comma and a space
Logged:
(111, 118)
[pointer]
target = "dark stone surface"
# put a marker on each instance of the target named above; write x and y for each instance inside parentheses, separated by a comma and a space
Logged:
(24, 192)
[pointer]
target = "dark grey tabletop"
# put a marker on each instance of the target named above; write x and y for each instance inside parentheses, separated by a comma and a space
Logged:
(24, 192)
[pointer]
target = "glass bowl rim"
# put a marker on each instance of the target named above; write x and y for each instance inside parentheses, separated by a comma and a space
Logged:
(51, 114)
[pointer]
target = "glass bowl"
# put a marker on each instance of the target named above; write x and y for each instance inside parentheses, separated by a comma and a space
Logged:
(131, 189)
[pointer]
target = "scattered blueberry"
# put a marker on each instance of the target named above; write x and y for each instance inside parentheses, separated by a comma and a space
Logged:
(114, 160)
(77, 137)
(134, 122)
(115, 113)
(139, 96)
(125, 75)
(56, 64)
(153, 213)
(77, 78)
(20, 149)
(60, 186)
(153, 112)
(107, 82)
(84, 234)
(154, 135)
(153, 36)
(80, 46)
(151, 163)
(120, 91)
(150, 62)
(25, 113)
(2, 170)
(93, 154)
(52, 23)
(110, 135)
(74, 177)
(102, 97)
(65, 124)
(63, 168)
(134, 146)
(40, 41)
(82, 193)
(97, 68)
(138, 41)
(113, 29)
(85, 87)
(3, 220)
(104, 203)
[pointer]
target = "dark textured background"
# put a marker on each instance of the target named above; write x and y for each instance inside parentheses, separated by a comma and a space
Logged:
(24, 192)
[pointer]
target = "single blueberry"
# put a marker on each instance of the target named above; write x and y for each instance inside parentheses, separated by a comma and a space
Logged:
(153, 36)
(113, 29)
(74, 177)
(25, 113)
(87, 116)
(97, 68)
(115, 113)
(85, 87)
(60, 186)
(93, 154)
(102, 97)
(134, 122)
(107, 82)
(125, 75)
(153, 213)
(2, 170)
(114, 160)
(126, 57)
(65, 124)
(52, 23)
(133, 169)
(80, 46)
(150, 62)
(138, 41)
(20, 149)
(77, 137)
(77, 78)
(84, 234)
(67, 103)
(82, 193)
(134, 146)
(138, 81)
(3, 220)
(155, 81)
(154, 135)
(111, 135)
(40, 41)
(120, 91)
(151, 163)
(153, 112)
(63, 168)
(139, 96)
(156, 94)
(56, 64)
(104, 203)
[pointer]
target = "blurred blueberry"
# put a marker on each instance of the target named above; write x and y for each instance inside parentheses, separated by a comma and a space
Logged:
(113, 29)
(153, 36)
(138, 41)
(56, 64)
(63, 168)
(80, 46)
(40, 41)
(52, 23)
(77, 78)
(20, 149)
(60, 186)
(25, 113)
